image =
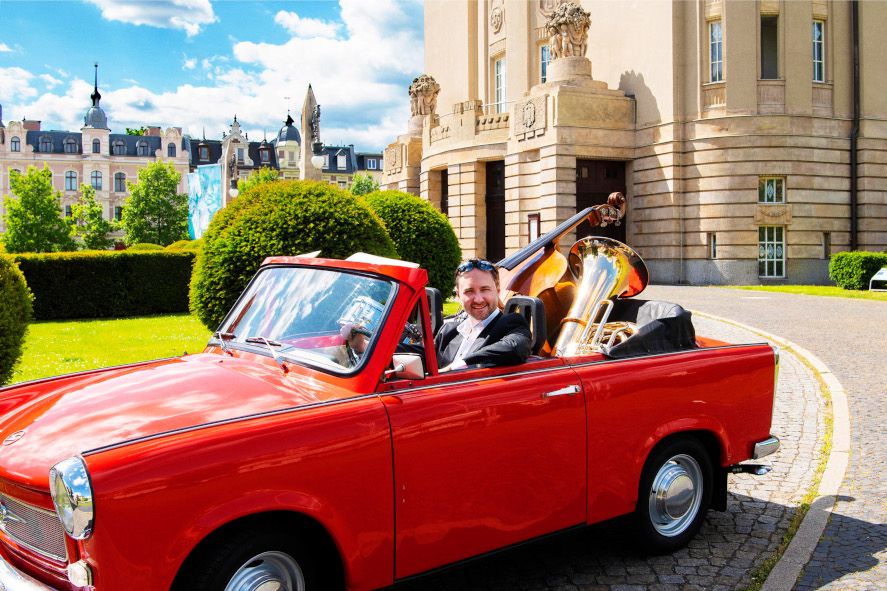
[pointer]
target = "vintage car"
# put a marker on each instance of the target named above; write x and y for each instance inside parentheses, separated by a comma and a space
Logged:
(284, 457)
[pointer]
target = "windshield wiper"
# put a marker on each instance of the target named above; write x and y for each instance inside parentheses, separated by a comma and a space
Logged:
(223, 338)
(270, 344)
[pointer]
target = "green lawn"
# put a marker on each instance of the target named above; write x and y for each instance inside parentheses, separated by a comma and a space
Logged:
(53, 348)
(816, 290)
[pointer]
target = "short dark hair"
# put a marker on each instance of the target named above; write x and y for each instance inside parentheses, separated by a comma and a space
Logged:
(481, 264)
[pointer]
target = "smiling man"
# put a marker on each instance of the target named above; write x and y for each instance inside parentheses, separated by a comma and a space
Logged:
(483, 334)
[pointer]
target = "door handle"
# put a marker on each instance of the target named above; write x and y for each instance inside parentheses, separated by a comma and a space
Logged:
(565, 391)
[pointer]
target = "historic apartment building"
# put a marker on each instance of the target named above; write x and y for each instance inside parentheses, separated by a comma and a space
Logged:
(750, 138)
(92, 156)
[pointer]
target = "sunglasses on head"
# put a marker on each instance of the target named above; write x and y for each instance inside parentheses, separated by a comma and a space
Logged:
(475, 264)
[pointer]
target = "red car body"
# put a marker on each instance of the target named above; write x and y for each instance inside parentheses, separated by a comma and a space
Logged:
(400, 475)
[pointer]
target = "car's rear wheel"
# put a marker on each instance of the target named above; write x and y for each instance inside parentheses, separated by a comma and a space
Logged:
(674, 495)
(252, 560)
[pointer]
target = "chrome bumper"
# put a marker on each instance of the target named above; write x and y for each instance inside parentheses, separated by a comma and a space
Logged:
(765, 448)
(11, 579)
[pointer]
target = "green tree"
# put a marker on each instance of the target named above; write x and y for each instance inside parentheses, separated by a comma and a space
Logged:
(154, 212)
(257, 177)
(34, 221)
(363, 184)
(15, 313)
(90, 224)
(136, 130)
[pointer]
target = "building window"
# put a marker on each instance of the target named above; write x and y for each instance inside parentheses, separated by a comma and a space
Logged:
(534, 226)
(371, 164)
(142, 148)
(544, 58)
(96, 147)
(68, 212)
(445, 191)
(15, 144)
(771, 251)
(265, 155)
(239, 155)
(70, 146)
(499, 84)
(203, 152)
(170, 150)
(771, 190)
(819, 51)
(769, 46)
(826, 245)
(340, 162)
(95, 180)
(716, 51)
(343, 184)
(45, 144)
(118, 213)
(70, 181)
(119, 182)
(280, 155)
(118, 148)
(712, 245)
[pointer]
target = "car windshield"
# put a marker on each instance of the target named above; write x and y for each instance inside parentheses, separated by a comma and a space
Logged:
(319, 317)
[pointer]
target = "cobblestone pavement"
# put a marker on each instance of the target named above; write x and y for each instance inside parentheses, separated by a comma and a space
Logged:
(721, 557)
(850, 337)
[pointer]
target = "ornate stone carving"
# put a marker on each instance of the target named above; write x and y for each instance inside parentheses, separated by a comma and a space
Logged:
(423, 95)
(393, 159)
(568, 31)
(546, 7)
(530, 119)
(497, 17)
(771, 214)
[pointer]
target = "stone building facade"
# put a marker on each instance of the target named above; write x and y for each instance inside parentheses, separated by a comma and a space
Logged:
(732, 127)
(92, 156)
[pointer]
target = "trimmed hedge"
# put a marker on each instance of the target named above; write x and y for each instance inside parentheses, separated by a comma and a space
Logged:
(14, 315)
(278, 218)
(185, 245)
(854, 270)
(421, 234)
(144, 246)
(103, 284)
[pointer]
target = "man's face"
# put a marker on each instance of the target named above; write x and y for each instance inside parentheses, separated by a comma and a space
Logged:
(477, 292)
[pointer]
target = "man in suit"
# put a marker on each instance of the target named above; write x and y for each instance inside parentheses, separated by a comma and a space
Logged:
(482, 334)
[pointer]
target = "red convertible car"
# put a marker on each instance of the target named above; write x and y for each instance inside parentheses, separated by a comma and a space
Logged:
(282, 458)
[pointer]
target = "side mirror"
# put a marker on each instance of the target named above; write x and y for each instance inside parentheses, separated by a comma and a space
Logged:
(407, 366)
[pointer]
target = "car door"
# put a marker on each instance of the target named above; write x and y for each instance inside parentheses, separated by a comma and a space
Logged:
(485, 458)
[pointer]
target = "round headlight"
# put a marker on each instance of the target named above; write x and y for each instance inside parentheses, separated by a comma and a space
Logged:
(72, 496)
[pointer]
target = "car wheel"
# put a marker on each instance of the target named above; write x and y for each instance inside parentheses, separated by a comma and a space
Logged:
(674, 495)
(251, 560)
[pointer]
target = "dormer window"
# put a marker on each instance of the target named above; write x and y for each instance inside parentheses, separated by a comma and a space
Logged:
(203, 153)
(142, 148)
(70, 146)
(239, 155)
(340, 162)
(45, 144)
(118, 148)
(15, 144)
(171, 150)
(265, 155)
(96, 147)
(371, 163)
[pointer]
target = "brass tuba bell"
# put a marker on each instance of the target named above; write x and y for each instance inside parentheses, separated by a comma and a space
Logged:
(603, 269)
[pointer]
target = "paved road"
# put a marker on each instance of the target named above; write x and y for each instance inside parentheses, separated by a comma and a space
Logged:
(850, 336)
(730, 544)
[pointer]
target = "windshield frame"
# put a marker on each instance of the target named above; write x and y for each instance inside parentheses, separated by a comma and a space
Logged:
(261, 349)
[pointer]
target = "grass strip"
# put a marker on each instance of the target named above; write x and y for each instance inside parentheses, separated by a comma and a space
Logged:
(829, 291)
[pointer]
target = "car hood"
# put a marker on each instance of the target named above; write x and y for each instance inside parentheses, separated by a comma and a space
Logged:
(62, 417)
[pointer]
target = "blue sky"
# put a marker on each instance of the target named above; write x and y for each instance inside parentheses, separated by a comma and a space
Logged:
(196, 63)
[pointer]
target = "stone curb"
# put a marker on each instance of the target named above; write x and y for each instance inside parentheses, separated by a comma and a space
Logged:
(788, 569)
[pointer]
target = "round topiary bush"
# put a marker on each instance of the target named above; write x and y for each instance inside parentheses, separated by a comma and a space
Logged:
(421, 234)
(279, 218)
(14, 315)
(144, 246)
(185, 245)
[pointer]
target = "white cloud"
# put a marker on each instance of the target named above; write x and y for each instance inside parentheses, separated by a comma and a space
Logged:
(187, 15)
(4, 48)
(189, 63)
(359, 78)
(51, 81)
(306, 27)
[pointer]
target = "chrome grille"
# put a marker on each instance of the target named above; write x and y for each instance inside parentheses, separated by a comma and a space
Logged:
(32, 527)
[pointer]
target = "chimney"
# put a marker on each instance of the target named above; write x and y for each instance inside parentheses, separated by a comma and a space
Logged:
(31, 124)
(153, 131)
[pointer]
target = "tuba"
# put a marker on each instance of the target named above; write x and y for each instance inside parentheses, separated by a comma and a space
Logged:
(603, 269)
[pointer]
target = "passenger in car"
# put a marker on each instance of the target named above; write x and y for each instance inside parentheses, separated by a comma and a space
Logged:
(482, 334)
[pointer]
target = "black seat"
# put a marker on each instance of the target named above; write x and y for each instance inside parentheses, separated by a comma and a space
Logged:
(533, 310)
(663, 327)
(435, 306)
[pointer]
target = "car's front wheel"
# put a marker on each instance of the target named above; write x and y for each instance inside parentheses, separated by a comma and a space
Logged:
(674, 495)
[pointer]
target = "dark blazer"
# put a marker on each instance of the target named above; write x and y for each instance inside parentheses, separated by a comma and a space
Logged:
(505, 341)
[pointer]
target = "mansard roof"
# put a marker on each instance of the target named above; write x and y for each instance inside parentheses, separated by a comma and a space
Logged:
(215, 153)
(130, 142)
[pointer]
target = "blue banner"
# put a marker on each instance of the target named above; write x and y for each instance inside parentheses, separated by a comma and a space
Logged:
(204, 197)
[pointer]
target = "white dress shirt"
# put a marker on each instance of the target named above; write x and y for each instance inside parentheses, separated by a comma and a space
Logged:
(470, 329)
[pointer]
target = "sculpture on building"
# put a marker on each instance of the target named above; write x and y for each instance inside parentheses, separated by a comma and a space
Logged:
(423, 95)
(568, 31)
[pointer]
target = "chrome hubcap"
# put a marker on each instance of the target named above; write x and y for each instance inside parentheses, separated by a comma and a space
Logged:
(269, 571)
(676, 495)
